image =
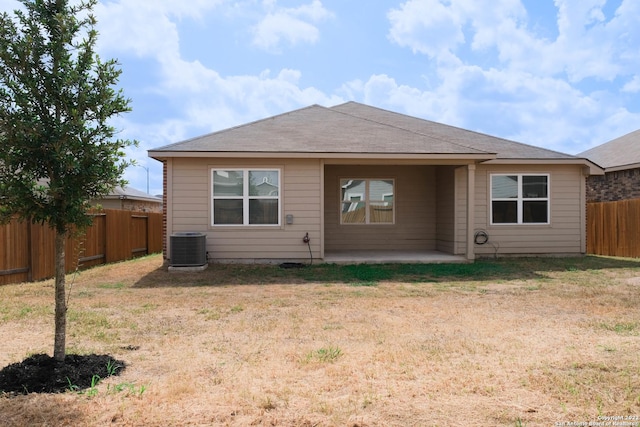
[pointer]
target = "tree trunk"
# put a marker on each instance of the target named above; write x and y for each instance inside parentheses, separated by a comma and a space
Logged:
(59, 345)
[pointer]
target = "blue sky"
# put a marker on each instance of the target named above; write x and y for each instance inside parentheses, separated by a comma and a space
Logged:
(560, 74)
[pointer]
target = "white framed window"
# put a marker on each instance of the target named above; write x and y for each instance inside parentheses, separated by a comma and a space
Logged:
(245, 197)
(520, 199)
(367, 201)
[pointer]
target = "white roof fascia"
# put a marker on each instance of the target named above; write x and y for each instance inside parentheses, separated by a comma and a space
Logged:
(307, 155)
(593, 168)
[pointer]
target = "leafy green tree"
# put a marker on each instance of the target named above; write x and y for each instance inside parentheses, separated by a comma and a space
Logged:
(57, 148)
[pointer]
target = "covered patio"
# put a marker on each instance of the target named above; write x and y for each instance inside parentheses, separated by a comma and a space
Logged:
(399, 212)
(389, 257)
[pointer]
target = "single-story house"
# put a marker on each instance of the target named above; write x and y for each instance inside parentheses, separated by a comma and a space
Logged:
(620, 159)
(367, 184)
(130, 199)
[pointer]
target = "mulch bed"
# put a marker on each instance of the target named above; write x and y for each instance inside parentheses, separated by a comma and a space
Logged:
(40, 373)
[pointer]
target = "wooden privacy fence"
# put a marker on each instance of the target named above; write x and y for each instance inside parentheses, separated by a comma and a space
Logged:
(27, 250)
(613, 228)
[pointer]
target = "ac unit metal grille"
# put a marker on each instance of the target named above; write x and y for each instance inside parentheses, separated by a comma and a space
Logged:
(188, 250)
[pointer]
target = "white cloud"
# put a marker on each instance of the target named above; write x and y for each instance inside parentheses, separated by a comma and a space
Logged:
(211, 101)
(238, 99)
(542, 111)
(279, 26)
(583, 45)
(289, 25)
(517, 84)
(426, 26)
(142, 27)
(384, 91)
(434, 27)
(633, 86)
(149, 30)
(588, 45)
(141, 40)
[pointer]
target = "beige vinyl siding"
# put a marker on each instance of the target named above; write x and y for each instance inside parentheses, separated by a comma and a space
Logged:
(460, 194)
(564, 233)
(190, 195)
(430, 210)
(300, 197)
(302, 192)
(445, 209)
(415, 210)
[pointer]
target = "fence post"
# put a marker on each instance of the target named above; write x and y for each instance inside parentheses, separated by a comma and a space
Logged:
(29, 252)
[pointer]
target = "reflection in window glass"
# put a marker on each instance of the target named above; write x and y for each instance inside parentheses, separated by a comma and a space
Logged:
(263, 211)
(504, 187)
(380, 213)
(534, 187)
(227, 211)
(535, 212)
(505, 212)
(352, 189)
(381, 201)
(228, 183)
(379, 189)
(353, 204)
(367, 201)
(263, 183)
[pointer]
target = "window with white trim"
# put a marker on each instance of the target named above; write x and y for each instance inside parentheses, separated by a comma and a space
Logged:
(520, 199)
(245, 197)
(367, 201)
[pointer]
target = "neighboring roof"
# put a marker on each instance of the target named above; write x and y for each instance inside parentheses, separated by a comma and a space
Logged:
(617, 154)
(353, 128)
(132, 194)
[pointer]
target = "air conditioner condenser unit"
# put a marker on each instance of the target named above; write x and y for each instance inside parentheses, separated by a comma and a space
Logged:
(188, 250)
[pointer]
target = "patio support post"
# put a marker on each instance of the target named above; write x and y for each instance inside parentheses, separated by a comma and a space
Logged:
(471, 209)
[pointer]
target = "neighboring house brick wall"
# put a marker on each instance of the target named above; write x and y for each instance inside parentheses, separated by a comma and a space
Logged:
(130, 205)
(612, 186)
(141, 206)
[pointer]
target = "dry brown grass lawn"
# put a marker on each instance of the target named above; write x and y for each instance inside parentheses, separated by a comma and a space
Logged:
(535, 345)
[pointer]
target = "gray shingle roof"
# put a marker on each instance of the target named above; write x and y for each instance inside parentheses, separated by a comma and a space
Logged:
(505, 149)
(354, 128)
(132, 193)
(619, 153)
